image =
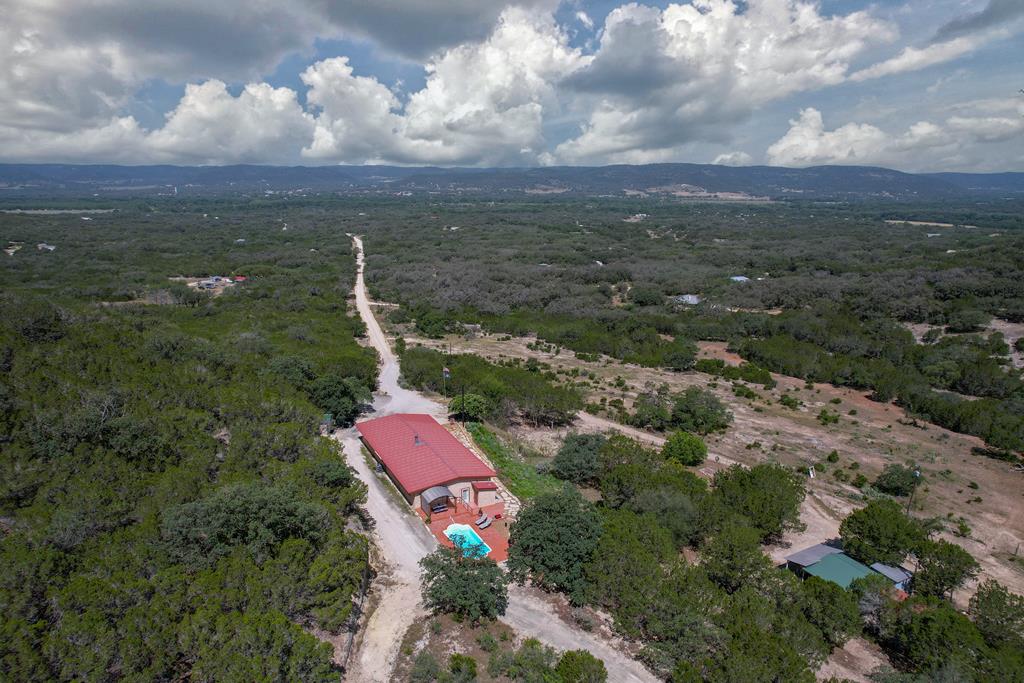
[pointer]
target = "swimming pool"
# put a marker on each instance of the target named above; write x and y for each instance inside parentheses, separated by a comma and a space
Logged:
(466, 537)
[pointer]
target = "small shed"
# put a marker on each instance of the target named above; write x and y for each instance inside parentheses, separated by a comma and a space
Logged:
(435, 499)
(799, 561)
(485, 493)
(839, 569)
(899, 576)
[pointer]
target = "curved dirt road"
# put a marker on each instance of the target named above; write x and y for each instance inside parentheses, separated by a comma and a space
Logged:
(403, 541)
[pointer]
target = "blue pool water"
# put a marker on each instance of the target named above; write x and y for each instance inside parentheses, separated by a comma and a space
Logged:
(466, 537)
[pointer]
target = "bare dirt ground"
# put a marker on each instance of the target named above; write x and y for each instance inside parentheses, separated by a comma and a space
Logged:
(403, 540)
(853, 661)
(869, 436)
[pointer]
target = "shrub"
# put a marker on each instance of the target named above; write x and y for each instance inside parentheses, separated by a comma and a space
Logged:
(790, 401)
(462, 668)
(471, 407)
(425, 668)
(828, 417)
(685, 448)
(699, 411)
(579, 666)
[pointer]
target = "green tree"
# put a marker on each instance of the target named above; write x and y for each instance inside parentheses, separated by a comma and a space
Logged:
(685, 448)
(340, 396)
(646, 296)
(896, 480)
(733, 558)
(942, 567)
(577, 458)
(999, 615)
(698, 410)
(619, 449)
(625, 568)
(255, 647)
(880, 532)
(929, 634)
(470, 587)
(680, 355)
(252, 515)
(472, 407)
(579, 666)
(552, 539)
(831, 609)
(767, 495)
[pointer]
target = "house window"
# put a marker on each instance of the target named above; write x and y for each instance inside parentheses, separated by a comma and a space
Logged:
(465, 496)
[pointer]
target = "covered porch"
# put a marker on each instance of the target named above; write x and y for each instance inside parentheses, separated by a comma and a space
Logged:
(437, 500)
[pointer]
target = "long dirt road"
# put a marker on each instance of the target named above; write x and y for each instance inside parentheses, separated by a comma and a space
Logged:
(403, 540)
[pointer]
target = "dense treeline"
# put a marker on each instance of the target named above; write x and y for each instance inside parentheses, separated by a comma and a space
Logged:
(169, 509)
(572, 259)
(509, 391)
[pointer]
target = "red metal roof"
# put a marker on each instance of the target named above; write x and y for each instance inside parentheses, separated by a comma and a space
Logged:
(485, 486)
(420, 453)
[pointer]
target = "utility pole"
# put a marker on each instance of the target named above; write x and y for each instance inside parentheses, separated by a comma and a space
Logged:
(913, 490)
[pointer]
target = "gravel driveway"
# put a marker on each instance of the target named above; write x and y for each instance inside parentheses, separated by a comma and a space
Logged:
(403, 540)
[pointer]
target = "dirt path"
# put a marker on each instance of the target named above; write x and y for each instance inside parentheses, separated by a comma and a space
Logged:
(403, 541)
(390, 397)
(594, 423)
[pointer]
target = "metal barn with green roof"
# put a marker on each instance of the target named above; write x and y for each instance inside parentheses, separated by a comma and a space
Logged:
(840, 569)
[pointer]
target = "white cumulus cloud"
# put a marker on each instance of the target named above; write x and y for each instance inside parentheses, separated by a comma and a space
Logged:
(734, 159)
(483, 103)
(662, 78)
(986, 136)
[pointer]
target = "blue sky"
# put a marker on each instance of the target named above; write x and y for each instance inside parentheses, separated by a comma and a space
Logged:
(915, 84)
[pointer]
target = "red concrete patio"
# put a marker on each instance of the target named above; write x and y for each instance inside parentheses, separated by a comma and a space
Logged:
(496, 535)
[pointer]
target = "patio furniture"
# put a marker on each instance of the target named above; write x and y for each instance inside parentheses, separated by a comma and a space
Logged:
(486, 523)
(485, 520)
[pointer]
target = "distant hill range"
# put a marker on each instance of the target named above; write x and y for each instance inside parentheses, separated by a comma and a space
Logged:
(692, 181)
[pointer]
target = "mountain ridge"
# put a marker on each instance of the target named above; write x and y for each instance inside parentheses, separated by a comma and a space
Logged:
(685, 180)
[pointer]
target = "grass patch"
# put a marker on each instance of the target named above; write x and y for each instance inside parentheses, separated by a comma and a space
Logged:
(389, 486)
(522, 479)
